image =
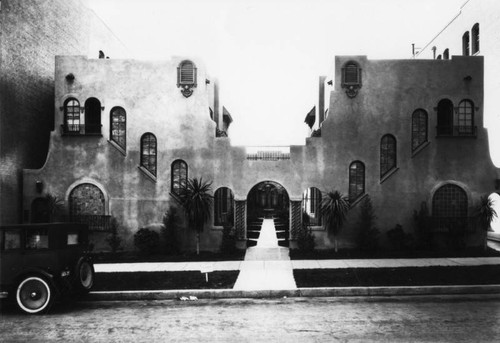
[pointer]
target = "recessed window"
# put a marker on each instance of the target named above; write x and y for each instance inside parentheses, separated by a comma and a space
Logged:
(387, 154)
(148, 152)
(311, 205)
(92, 116)
(351, 74)
(118, 126)
(465, 44)
(179, 176)
(445, 118)
(356, 180)
(475, 38)
(223, 207)
(186, 77)
(449, 201)
(418, 129)
(71, 116)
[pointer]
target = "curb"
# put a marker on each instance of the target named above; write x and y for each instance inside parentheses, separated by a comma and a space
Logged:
(295, 293)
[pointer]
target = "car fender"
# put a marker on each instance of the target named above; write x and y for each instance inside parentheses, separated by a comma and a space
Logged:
(39, 272)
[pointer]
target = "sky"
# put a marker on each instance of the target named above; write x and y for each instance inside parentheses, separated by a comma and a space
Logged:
(268, 55)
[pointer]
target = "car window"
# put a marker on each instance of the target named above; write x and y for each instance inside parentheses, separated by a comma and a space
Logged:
(72, 238)
(37, 239)
(12, 239)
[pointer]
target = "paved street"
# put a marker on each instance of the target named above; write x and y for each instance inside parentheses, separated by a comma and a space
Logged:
(426, 319)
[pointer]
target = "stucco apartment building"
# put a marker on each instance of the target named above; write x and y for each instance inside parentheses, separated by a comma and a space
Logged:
(127, 135)
(32, 33)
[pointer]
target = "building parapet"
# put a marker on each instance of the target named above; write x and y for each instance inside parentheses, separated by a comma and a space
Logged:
(268, 153)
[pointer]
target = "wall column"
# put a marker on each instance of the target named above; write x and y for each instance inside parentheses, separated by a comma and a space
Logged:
(295, 221)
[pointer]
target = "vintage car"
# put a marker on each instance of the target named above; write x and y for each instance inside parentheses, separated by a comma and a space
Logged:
(41, 263)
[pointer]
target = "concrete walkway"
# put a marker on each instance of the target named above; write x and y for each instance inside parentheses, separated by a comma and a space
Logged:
(267, 266)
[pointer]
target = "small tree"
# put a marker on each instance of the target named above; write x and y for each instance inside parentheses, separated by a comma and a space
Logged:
(305, 238)
(334, 209)
(147, 241)
(484, 214)
(196, 200)
(54, 206)
(368, 234)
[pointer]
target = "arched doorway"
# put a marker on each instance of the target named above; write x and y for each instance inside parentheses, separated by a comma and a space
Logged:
(268, 199)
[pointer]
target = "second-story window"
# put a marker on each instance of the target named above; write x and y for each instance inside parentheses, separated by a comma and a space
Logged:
(148, 152)
(418, 129)
(71, 116)
(445, 118)
(92, 116)
(351, 78)
(466, 118)
(475, 38)
(118, 126)
(387, 154)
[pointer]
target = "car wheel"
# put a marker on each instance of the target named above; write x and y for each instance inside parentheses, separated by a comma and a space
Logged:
(34, 295)
(85, 276)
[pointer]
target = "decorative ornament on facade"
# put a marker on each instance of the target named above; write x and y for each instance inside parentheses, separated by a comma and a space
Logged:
(296, 218)
(352, 91)
(186, 77)
(240, 219)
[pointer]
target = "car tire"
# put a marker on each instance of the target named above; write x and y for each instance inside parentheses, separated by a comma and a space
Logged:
(34, 295)
(84, 276)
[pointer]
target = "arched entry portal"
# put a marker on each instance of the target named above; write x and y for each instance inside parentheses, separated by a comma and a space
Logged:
(268, 199)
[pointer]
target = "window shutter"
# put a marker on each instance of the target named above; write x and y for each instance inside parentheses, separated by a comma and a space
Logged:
(351, 74)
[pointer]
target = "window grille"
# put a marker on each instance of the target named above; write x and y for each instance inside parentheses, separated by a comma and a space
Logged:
(418, 129)
(187, 73)
(356, 180)
(72, 115)
(118, 127)
(466, 117)
(351, 74)
(387, 154)
(449, 201)
(148, 152)
(179, 176)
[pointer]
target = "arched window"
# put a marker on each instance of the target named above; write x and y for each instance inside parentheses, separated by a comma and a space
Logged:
(466, 118)
(86, 199)
(118, 126)
(148, 152)
(179, 176)
(351, 74)
(446, 54)
(311, 202)
(387, 154)
(356, 180)
(223, 207)
(92, 116)
(71, 116)
(445, 118)
(418, 129)
(449, 201)
(465, 44)
(186, 73)
(475, 38)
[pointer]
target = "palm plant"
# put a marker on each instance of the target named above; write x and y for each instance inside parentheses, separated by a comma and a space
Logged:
(334, 208)
(484, 214)
(54, 206)
(196, 200)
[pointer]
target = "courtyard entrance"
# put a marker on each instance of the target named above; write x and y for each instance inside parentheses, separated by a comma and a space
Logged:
(268, 200)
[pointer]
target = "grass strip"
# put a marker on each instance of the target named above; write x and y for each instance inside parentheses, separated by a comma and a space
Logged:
(163, 280)
(411, 276)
